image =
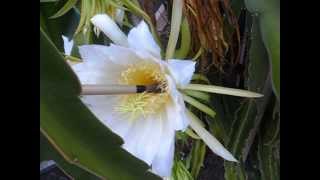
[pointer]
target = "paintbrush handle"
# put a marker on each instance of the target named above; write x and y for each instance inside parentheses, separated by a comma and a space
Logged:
(110, 89)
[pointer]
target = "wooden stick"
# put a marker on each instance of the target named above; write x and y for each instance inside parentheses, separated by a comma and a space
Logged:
(118, 89)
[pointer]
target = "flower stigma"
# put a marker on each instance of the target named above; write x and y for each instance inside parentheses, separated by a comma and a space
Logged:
(143, 104)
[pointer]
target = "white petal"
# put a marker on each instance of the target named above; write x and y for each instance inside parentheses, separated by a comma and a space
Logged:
(176, 109)
(209, 139)
(125, 56)
(143, 138)
(96, 67)
(140, 38)
(163, 162)
(93, 53)
(181, 70)
(103, 108)
(122, 55)
(117, 54)
(67, 45)
(110, 29)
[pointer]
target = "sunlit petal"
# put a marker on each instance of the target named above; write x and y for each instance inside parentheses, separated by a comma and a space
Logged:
(110, 29)
(103, 109)
(163, 162)
(176, 108)
(96, 68)
(143, 139)
(181, 70)
(140, 38)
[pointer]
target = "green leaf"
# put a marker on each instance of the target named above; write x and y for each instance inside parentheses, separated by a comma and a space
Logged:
(237, 6)
(270, 30)
(200, 77)
(47, 152)
(67, 6)
(269, 16)
(269, 163)
(72, 129)
(249, 115)
(268, 144)
(198, 153)
(202, 107)
(190, 133)
(180, 172)
(185, 41)
(234, 171)
(205, 97)
(250, 112)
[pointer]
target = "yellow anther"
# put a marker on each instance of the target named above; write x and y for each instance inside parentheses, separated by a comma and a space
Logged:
(143, 104)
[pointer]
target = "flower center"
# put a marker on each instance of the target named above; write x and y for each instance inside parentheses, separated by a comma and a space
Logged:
(135, 105)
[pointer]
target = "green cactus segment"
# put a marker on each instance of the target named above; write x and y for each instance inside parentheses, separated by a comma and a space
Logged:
(270, 31)
(269, 17)
(269, 146)
(248, 118)
(73, 130)
(47, 152)
(234, 171)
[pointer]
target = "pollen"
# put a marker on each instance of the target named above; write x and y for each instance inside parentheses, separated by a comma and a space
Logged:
(143, 104)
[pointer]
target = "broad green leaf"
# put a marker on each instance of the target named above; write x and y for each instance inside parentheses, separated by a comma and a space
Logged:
(234, 171)
(250, 112)
(270, 30)
(47, 152)
(262, 6)
(269, 16)
(248, 117)
(237, 6)
(73, 130)
(269, 162)
(268, 144)
(69, 4)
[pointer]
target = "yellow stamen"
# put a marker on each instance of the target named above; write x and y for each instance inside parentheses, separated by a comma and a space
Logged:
(143, 104)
